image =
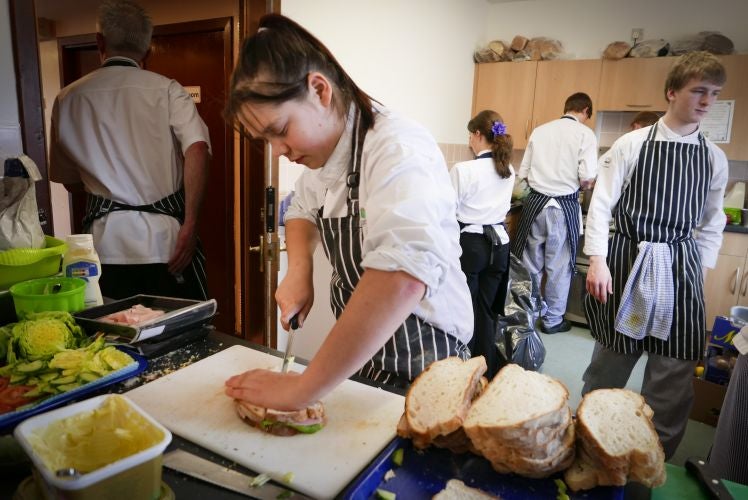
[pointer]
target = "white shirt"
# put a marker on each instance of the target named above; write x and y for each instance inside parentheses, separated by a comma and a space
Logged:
(122, 131)
(482, 196)
(559, 154)
(617, 167)
(408, 211)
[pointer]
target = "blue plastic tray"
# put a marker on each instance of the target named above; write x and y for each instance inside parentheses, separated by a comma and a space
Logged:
(425, 473)
(9, 420)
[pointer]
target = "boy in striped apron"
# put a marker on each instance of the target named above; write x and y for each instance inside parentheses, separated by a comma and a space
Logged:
(662, 186)
(376, 193)
(561, 156)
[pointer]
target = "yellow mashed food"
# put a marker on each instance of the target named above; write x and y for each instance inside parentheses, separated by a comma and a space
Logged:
(90, 440)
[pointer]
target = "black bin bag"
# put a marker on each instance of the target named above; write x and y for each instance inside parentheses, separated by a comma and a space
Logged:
(516, 337)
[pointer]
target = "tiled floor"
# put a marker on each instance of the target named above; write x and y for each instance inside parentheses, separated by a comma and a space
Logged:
(567, 356)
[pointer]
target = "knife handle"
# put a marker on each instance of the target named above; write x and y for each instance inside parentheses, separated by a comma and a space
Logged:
(294, 322)
(708, 479)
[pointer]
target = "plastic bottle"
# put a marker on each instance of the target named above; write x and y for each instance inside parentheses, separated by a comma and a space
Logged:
(82, 261)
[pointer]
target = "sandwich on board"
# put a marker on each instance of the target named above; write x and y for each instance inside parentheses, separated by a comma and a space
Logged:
(283, 423)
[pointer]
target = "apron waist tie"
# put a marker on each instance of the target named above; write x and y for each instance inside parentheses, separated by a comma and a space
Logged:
(98, 206)
(648, 299)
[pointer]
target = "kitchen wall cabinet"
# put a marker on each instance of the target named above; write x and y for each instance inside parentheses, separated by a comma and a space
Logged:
(507, 88)
(634, 84)
(736, 88)
(727, 284)
(529, 93)
(557, 80)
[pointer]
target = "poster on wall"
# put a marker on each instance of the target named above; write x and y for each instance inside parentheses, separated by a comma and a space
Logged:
(717, 124)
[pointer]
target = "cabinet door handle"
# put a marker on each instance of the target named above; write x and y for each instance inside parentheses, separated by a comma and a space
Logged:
(527, 129)
(638, 105)
(744, 284)
(734, 280)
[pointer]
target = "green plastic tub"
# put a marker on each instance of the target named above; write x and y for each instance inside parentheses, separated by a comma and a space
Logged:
(21, 264)
(48, 294)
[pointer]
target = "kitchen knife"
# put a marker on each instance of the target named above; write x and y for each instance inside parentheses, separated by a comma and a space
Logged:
(708, 479)
(287, 360)
(210, 472)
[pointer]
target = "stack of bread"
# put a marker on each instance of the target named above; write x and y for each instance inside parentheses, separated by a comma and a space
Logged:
(522, 423)
(616, 442)
(438, 402)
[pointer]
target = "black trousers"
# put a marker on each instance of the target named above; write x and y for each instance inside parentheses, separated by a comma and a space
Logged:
(123, 281)
(484, 277)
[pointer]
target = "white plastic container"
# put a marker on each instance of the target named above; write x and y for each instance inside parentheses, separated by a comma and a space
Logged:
(137, 476)
(82, 261)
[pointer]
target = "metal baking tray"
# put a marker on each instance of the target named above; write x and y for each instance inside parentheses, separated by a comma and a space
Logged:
(180, 313)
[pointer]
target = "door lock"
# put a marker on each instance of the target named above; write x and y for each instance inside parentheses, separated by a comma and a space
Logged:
(261, 250)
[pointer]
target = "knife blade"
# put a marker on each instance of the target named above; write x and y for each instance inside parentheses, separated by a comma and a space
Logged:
(210, 472)
(287, 360)
(708, 479)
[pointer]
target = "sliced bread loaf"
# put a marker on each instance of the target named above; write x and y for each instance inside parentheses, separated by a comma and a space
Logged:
(516, 402)
(439, 398)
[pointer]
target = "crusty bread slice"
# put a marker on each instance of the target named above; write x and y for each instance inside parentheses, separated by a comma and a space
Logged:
(586, 473)
(439, 398)
(543, 437)
(616, 429)
(457, 490)
(515, 403)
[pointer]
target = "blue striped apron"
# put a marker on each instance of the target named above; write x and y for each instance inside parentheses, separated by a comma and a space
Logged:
(172, 205)
(416, 343)
(534, 203)
(663, 203)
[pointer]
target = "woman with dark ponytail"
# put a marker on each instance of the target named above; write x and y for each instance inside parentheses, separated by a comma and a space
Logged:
(376, 194)
(484, 193)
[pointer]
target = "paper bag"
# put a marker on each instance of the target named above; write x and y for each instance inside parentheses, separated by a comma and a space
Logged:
(19, 215)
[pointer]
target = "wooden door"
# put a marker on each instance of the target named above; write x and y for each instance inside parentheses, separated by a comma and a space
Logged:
(195, 54)
(557, 80)
(634, 84)
(507, 88)
(736, 88)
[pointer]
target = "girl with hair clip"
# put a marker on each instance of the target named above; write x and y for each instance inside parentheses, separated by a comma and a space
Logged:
(484, 194)
(376, 194)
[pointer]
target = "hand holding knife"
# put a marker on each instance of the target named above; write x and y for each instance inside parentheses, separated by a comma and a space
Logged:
(287, 359)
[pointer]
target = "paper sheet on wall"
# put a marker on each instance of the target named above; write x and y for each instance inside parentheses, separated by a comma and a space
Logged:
(717, 124)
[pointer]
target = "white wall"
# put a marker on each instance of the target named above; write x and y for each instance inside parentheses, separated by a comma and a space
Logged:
(10, 126)
(586, 27)
(413, 56)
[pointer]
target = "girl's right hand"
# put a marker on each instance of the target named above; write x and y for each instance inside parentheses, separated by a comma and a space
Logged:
(599, 280)
(295, 296)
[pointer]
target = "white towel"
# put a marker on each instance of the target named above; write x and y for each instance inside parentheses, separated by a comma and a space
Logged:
(648, 299)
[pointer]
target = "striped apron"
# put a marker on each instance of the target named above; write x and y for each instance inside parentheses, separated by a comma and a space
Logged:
(533, 205)
(172, 205)
(663, 203)
(416, 343)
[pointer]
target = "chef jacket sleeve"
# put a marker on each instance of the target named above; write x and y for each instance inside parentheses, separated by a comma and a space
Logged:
(709, 229)
(524, 168)
(587, 169)
(62, 168)
(410, 213)
(307, 199)
(184, 120)
(614, 167)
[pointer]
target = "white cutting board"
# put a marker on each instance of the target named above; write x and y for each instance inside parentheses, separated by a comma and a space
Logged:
(191, 402)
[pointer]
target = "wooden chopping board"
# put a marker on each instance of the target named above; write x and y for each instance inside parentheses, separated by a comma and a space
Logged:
(191, 403)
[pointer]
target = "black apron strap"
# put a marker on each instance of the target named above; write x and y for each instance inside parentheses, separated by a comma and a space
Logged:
(98, 206)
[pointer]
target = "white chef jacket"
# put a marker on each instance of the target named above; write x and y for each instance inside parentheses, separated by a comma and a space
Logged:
(408, 211)
(617, 167)
(482, 196)
(122, 131)
(559, 154)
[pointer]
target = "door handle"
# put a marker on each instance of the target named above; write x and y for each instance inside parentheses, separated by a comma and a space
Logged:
(261, 250)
